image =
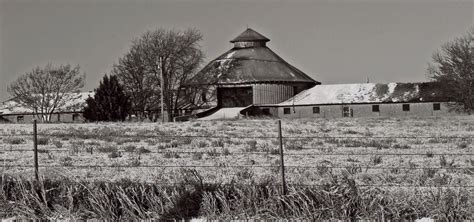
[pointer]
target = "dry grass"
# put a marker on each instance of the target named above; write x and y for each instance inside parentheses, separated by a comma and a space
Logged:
(369, 150)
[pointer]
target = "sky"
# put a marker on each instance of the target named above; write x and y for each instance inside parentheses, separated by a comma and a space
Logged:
(333, 41)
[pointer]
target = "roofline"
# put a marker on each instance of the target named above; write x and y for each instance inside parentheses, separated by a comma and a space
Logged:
(339, 104)
(29, 113)
(256, 82)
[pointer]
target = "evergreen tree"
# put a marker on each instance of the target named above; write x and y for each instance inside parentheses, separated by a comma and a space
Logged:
(109, 103)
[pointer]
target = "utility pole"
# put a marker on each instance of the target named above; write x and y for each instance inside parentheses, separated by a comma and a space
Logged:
(162, 81)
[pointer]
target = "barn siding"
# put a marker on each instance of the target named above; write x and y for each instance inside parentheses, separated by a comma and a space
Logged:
(271, 93)
(365, 110)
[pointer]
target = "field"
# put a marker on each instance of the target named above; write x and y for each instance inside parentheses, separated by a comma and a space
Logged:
(394, 155)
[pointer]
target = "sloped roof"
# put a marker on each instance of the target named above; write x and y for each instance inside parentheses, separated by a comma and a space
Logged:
(367, 93)
(250, 35)
(254, 64)
(76, 102)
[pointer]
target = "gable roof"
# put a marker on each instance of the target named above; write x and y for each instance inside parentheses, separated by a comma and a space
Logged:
(250, 35)
(367, 93)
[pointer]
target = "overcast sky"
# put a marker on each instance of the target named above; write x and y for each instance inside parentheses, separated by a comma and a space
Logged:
(340, 41)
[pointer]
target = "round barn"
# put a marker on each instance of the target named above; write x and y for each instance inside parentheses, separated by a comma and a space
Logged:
(254, 74)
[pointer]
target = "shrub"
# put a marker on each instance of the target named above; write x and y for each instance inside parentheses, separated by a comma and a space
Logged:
(130, 148)
(107, 149)
(225, 152)
(463, 145)
(376, 159)
(114, 154)
(169, 155)
(401, 146)
(197, 156)
(43, 141)
(66, 161)
(134, 162)
(218, 143)
(58, 144)
(443, 162)
(14, 140)
(202, 144)
(143, 150)
(293, 145)
(429, 154)
(212, 153)
(251, 146)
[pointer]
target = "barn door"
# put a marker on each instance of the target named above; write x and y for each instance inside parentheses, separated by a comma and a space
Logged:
(347, 112)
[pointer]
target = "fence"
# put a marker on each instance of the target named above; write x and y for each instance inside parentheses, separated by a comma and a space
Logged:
(296, 148)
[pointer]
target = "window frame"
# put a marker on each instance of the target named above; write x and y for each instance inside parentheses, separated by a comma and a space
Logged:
(376, 108)
(286, 111)
(20, 118)
(316, 110)
(436, 106)
(406, 107)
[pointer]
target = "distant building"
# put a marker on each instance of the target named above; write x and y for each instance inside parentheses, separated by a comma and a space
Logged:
(11, 111)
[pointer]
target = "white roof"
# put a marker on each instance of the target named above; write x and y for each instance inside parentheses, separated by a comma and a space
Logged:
(75, 102)
(358, 93)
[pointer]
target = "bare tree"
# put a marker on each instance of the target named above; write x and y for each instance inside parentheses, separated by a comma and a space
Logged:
(139, 70)
(453, 68)
(141, 86)
(44, 90)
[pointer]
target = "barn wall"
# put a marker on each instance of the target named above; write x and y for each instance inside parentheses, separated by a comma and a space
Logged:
(276, 93)
(365, 110)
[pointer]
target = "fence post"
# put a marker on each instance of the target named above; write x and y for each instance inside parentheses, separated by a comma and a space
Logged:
(282, 162)
(35, 148)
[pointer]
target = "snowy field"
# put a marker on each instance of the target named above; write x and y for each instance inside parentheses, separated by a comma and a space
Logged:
(428, 151)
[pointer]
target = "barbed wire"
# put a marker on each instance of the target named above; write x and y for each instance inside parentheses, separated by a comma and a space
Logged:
(244, 166)
(238, 136)
(213, 152)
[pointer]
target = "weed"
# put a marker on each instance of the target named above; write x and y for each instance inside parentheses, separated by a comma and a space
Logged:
(376, 159)
(66, 161)
(142, 150)
(58, 144)
(443, 162)
(251, 146)
(130, 148)
(197, 156)
(107, 149)
(212, 153)
(429, 154)
(218, 143)
(401, 146)
(114, 154)
(225, 152)
(169, 155)
(202, 144)
(293, 145)
(42, 141)
(463, 145)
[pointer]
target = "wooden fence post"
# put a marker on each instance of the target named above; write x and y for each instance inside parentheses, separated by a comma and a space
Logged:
(282, 162)
(35, 149)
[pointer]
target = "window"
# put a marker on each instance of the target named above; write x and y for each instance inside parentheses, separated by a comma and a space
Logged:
(20, 118)
(436, 106)
(75, 117)
(286, 111)
(375, 108)
(406, 107)
(316, 109)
